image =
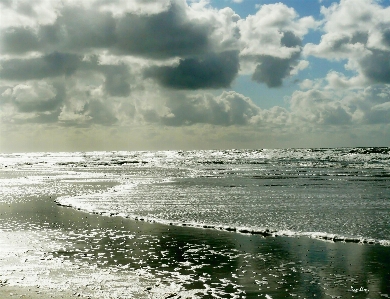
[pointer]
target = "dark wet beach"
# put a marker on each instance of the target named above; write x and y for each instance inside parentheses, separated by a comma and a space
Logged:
(60, 248)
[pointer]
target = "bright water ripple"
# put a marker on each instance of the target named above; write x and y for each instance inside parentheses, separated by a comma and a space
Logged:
(324, 193)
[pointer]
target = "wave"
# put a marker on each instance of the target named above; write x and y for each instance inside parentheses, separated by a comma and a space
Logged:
(359, 157)
(264, 232)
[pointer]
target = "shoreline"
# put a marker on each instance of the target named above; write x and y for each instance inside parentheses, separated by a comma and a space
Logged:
(265, 232)
(52, 246)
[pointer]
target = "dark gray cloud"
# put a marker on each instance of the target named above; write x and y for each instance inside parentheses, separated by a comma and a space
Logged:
(100, 113)
(376, 66)
(378, 114)
(51, 65)
(272, 70)
(359, 37)
(26, 8)
(163, 35)
(117, 82)
(50, 35)
(386, 36)
(216, 70)
(290, 40)
(18, 40)
(342, 43)
(117, 76)
(75, 29)
(78, 29)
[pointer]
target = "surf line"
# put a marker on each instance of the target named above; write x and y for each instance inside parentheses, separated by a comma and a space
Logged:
(266, 232)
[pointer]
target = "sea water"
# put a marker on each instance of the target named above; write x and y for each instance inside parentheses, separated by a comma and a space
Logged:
(331, 193)
(334, 195)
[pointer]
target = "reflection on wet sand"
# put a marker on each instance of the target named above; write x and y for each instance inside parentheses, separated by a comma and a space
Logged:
(114, 257)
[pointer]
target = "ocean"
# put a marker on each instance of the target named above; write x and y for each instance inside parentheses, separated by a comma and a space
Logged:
(268, 223)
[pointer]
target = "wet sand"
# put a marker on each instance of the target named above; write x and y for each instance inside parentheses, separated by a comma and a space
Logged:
(13, 292)
(49, 251)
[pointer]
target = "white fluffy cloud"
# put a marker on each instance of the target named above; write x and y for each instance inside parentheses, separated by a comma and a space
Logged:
(230, 108)
(271, 43)
(319, 107)
(342, 107)
(359, 32)
(265, 32)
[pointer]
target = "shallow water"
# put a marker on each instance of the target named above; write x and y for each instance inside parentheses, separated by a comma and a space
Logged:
(328, 193)
(98, 251)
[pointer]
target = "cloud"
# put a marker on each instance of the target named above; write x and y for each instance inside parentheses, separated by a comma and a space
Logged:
(195, 36)
(33, 96)
(379, 114)
(27, 13)
(208, 71)
(33, 102)
(50, 65)
(372, 105)
(274, 30)
(376, 66)
(168, 33)
(100, 113)
(319, 107)
(272, 70)
(18, 40)
(89, 96)
(148, 63)
(117, 80)
(342, 107)
(78, 29)
(357, 31)
(205, 42)
(117, 76)
(271, 41)
(85, 107)
(37, 97)
(230, 108)
(274, 118)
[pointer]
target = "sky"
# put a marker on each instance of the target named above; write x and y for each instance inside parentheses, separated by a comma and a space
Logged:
(92, 75)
